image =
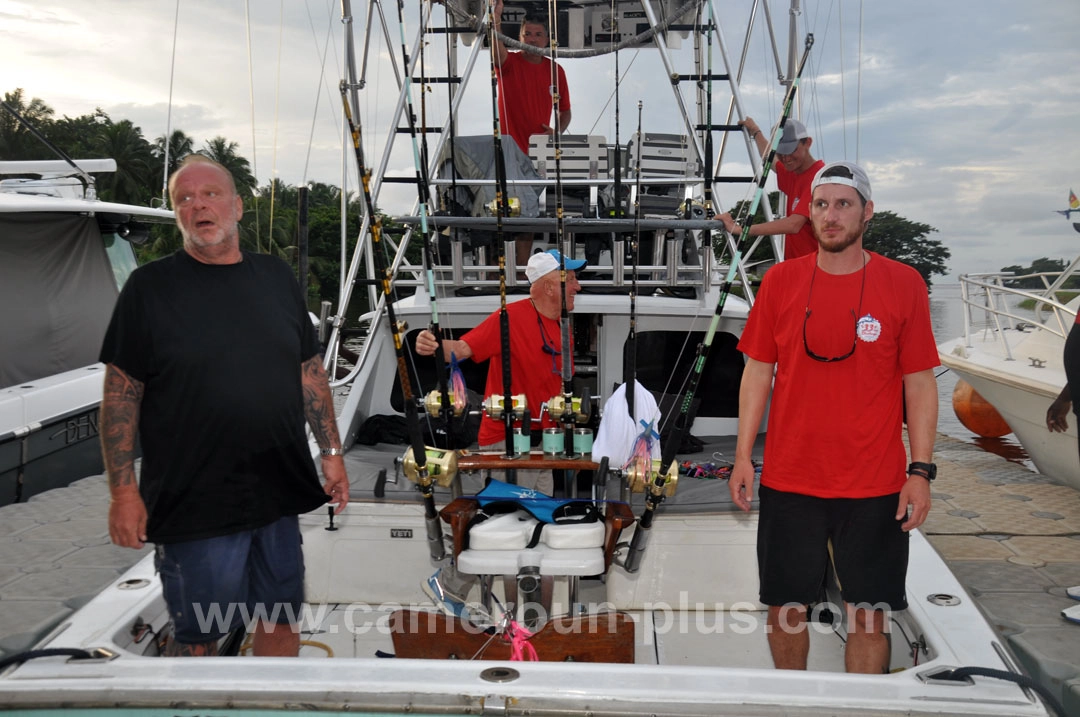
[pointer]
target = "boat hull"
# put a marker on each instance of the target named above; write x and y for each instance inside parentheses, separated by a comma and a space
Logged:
(1021, 393)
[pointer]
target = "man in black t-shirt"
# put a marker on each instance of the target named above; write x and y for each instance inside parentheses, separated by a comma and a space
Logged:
(213, 364)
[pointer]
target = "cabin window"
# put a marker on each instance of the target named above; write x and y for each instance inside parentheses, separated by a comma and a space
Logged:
(121, 257)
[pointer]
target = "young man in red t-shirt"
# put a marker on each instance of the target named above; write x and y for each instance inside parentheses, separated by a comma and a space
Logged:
(795, 171)
(526, 95)
(847, 333)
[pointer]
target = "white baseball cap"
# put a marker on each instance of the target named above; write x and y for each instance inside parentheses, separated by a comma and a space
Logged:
(543, 263)
(847, 173)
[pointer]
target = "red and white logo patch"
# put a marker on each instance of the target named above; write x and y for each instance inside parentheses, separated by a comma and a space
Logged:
(868, 329)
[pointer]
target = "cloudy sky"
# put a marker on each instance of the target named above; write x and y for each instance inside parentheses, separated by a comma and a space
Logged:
(965, 113)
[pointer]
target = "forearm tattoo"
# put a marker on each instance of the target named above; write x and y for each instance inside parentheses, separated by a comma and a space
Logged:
(119, 424)
(319, 403)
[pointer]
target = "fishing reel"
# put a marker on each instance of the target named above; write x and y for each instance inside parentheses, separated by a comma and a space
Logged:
(441, 465)
(639, 481)
(494, 405)
(695, 208)
(433, 404)
(580, 407)
(513, 207)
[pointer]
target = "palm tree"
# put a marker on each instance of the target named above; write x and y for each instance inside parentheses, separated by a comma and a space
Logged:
(274, 206)
(225, 153)
(132, 181)
(17, 142)
(180, 145)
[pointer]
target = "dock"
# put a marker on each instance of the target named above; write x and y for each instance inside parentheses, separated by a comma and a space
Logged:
(1010, 535)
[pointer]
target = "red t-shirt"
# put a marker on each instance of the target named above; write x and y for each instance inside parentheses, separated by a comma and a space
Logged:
(525, 97)
(533, 370)
(796, 187)
(834, 429)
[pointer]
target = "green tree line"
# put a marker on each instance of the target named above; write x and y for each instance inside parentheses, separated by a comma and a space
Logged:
(270, 220)
(1042, 265)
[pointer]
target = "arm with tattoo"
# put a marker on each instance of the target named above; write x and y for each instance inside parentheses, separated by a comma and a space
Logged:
(119, 424)
(319, 411)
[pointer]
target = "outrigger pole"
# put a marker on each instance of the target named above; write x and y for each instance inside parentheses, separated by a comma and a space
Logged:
(657, 485)
(424, 478)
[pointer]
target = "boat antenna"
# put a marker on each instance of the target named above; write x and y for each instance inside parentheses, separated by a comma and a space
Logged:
(508, 414)
(84, 177)
(658, 483)
(419, 147)
(424, 479)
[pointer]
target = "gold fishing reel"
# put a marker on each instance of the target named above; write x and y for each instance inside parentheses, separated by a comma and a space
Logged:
(441, 465)
(494, 405)
(581, 408)
(639, 482)
(433, 404)
(513, 207)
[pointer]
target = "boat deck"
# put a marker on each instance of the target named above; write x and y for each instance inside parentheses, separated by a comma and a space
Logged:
(1011, 536)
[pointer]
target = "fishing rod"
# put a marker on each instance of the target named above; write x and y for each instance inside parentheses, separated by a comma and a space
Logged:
(424, 478)
(567, 417)
(630, 371)
(708, 144)
(507, 411)
(658, 483)
(441, 402)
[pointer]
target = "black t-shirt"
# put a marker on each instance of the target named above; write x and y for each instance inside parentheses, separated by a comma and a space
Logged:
(218, 349)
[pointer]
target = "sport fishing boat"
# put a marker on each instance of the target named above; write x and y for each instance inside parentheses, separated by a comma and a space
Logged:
(653, 609)
(63, 257)
(1013, 358)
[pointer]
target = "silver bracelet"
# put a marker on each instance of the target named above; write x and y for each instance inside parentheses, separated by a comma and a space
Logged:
(332, 451)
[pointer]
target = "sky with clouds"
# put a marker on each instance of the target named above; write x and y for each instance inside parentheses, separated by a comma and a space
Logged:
(963, 112)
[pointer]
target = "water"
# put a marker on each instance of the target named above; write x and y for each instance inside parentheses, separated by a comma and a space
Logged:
(947, 317)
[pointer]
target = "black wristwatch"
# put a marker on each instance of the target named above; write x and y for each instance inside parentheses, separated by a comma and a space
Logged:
(926, 470)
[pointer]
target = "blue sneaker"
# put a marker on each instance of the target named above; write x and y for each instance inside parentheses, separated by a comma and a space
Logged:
(451, 604)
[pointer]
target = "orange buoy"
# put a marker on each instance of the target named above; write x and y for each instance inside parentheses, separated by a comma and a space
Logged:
(977, 415)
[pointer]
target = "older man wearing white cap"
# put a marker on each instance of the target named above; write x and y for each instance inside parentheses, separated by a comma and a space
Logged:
(535, 350)
(847, 334)
(795, 171)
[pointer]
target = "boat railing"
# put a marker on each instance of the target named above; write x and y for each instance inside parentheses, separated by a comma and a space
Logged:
(990, 295)
(672, 252)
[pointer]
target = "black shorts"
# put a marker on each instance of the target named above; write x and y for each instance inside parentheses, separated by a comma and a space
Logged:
(870, 551)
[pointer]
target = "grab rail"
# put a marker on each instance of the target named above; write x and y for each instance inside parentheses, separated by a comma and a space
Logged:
(989, 294)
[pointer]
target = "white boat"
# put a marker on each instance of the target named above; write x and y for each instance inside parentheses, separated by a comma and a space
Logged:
(63, 257)
(680, 632)
(1015, 361)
